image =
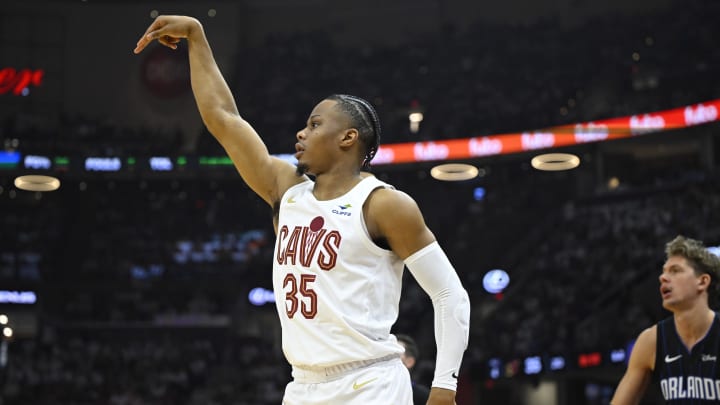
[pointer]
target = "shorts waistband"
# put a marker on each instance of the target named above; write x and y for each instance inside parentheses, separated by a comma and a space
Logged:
(304, 374)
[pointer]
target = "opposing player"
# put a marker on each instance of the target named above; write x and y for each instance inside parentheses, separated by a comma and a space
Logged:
(682, 351)
(410, 358)
(342, 243)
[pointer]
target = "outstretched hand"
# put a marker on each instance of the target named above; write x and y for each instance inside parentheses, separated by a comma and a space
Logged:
(168, 30)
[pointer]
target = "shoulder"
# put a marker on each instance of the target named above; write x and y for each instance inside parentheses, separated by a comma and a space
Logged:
(290, 188)
(385, 203)
(384, 198)
(286, 178)
(643, 351)
(649, 335)
(293, 185)
(392, 215)
(391, 206)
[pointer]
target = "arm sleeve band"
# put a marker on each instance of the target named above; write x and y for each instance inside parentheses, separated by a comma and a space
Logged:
(436, 275)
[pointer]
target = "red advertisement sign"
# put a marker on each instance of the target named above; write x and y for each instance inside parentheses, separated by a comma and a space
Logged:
(554, 137)
(18, 82)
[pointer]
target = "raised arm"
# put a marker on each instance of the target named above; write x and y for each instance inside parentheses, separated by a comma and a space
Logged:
(640, 367)
(269, 177)
(395, 216)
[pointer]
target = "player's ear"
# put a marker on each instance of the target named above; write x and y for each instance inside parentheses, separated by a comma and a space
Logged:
(704, 281)
(349, 137)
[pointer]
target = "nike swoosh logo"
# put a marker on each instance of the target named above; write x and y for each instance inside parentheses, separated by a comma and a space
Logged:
(669, 359)
(455, 376)
(357, 386)
(291, 200)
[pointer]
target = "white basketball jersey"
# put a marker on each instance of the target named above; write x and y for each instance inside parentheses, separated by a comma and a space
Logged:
(337, 293)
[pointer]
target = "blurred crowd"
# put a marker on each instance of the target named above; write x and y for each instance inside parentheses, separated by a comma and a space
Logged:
(487, 78)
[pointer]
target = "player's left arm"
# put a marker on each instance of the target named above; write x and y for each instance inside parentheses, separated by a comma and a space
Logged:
(395, 216)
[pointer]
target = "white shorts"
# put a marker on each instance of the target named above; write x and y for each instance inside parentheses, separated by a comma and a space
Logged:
(386, 382)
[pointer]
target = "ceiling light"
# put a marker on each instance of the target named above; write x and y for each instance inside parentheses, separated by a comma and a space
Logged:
(555, 161)
(37, 183)
(454, 172)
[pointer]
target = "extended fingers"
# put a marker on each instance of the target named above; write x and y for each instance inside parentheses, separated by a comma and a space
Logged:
(152, 32)
(168, 30)
(169, 39)
(166, 40)
(141, 44)
(170, 42)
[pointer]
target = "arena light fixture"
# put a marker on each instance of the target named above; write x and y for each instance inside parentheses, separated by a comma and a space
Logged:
(37, 183)
(454, 172)
(555, 161)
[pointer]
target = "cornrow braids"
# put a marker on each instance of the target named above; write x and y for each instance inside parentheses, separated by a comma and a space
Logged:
(365, 119)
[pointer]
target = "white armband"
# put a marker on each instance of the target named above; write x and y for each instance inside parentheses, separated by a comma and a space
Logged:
(436, 275)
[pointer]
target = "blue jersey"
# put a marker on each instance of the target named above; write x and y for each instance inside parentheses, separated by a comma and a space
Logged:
(687, 377)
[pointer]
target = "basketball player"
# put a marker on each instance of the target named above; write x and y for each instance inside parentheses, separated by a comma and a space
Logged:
(682, 351)
(409, 358)
(342, 242)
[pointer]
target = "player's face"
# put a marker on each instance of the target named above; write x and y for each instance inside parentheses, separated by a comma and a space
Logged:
(680, 286)
(409, 362)
(314, 149)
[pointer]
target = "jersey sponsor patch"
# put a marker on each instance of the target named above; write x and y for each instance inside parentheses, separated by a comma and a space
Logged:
(343, 210)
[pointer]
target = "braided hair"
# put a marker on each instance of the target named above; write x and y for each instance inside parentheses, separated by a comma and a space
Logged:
(364, 118)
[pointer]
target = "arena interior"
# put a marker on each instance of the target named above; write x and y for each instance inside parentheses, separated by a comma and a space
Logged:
(145, 278)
